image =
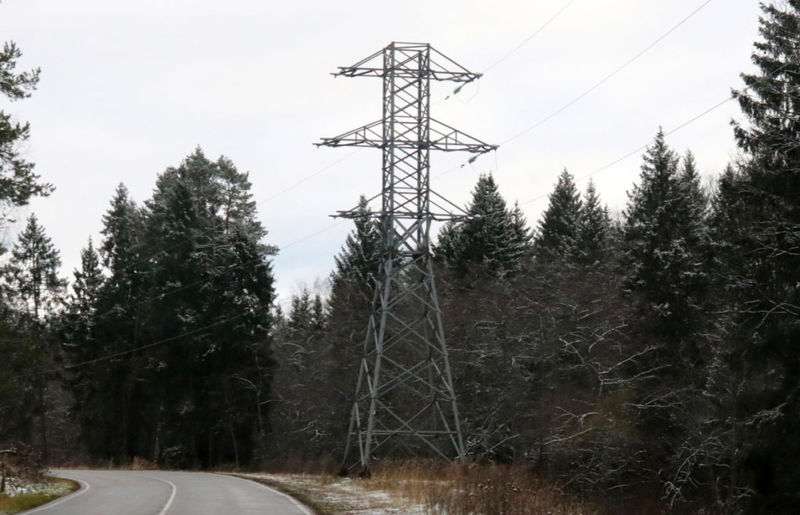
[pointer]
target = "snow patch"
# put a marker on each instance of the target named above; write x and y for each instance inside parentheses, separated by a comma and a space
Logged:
(345, 494)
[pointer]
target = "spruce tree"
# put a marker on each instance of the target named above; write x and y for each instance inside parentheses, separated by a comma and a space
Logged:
(109, 422)
(122, 231)
(560, 226)
(493, 236)
(81, 313)
(359, 258)
(520, 238)
(36, 291)
(33, 272)
(87, 283)
(664, 245)
(757, 212)
(80, 342)
(594, 229)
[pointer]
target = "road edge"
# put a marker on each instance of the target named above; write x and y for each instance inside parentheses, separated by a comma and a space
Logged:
(82, 489)
(303, 502)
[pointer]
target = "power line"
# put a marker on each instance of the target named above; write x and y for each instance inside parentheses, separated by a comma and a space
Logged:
(607, 77)
(527, 40)
(146, 346)
(308, 177)
(188, 333)
(185, 334)
(596, 85)
(254, 261)
(639, 149)
(513, 50)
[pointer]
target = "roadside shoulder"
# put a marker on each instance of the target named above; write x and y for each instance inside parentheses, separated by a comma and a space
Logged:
(32, 495)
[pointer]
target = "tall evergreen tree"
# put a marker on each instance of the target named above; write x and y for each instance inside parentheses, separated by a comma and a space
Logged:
(109, 426)
(79, 339)
(492, 236)
(594, 229)
(36, 291)
(122, 230)
(80, 316)
(560, 226)
(360, 256)
(757, 211)
(664, 245)
(303, 380)
(214, 285)
(33, 272)
(87, 283)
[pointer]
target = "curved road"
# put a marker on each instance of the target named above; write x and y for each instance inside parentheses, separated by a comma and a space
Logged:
(140, 492)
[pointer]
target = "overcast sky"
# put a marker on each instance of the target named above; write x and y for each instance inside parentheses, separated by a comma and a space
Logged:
(130, 88)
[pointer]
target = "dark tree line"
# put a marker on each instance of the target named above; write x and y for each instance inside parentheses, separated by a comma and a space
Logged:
(187, 277)
(161, 348)
(653, 355)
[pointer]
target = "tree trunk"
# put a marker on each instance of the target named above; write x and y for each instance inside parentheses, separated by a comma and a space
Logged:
(235, 445)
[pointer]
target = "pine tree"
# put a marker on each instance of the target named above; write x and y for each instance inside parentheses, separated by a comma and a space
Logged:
(18, 182)
(560, 226)
(493, 236)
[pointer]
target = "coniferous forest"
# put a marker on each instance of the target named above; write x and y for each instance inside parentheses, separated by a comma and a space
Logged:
(653, 353)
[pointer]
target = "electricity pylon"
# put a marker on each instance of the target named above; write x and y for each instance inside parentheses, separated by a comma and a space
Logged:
(404, 393)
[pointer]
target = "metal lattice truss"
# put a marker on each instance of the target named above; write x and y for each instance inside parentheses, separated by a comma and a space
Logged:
(405, 401)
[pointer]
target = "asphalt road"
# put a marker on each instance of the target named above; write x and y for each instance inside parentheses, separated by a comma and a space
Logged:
(134, 492)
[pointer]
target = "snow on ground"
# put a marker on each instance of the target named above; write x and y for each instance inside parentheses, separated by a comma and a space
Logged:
(16, 487)
(342, 495)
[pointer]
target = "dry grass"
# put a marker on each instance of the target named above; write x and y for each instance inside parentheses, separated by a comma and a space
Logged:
(469, 488)
(430, 487)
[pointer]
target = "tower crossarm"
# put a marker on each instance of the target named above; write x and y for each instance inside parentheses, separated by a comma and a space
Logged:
(443, 216)
(369, 135)
(446, 138)
(442, 137)
(441, 68)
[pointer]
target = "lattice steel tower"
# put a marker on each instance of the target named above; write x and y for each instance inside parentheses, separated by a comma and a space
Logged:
(404, 393)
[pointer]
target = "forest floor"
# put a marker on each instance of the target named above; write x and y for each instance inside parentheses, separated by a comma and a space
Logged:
(24, 495)
(417, 489)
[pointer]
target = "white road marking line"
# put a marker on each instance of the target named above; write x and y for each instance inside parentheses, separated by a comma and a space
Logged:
(84, 488)
(295, 501)
(171, 496)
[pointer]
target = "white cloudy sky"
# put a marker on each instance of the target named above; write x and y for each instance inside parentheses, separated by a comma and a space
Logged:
(131, 87)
